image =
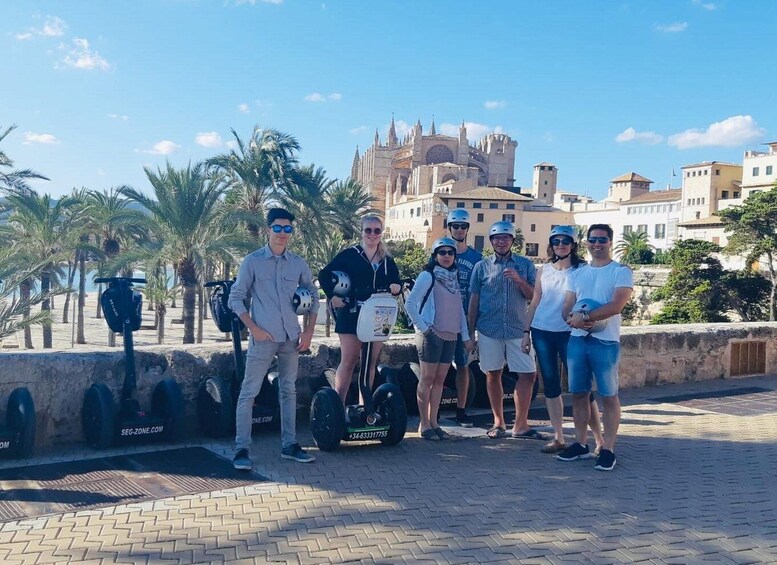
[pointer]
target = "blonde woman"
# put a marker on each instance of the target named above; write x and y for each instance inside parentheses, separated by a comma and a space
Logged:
(370, 269)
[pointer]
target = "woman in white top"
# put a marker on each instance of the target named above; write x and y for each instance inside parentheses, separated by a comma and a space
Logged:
(437, 312)
(550, 331)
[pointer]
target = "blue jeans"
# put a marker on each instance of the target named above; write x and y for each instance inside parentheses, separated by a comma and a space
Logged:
(260, 356)
(550, 347)
(588, 358)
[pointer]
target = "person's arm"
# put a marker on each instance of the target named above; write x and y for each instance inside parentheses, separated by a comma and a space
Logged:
(413, 303)
(464, 329)
(619, 300)
(395, 283)
(569, 300)
(535, 301)
(474, 298)
(237, 296)
(325, 274)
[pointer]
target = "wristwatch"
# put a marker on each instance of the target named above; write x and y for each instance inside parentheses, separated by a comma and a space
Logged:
(586, 316)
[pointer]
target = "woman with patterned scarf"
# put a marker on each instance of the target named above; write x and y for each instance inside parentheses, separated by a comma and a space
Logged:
(437, 312)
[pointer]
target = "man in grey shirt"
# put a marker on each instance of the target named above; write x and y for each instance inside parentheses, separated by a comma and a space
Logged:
(268, 278)
(500, 286)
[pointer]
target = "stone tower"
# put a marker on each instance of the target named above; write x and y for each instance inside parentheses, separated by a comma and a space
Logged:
(544, 182)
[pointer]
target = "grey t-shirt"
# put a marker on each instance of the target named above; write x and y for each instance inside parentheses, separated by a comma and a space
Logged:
(465, 262)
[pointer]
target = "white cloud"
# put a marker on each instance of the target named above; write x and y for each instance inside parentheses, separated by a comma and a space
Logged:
(630, 134)
(23, 36)
(81, 56)
(42, 138)
(121, 117)
(731, 132)
(494, 104)
(401, 127)
(318, 97)
(164, 147)
(357, 130)
(52, 27)
(676, 27)
(475, 131)
(208, 139)
(706, 5)
(242, 108)
(100, 173)
(232, 144)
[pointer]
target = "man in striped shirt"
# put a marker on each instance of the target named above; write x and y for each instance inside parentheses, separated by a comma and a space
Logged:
(500, 286)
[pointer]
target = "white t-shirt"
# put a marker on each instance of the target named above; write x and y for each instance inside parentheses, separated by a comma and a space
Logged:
(547, 316)
(599, 283)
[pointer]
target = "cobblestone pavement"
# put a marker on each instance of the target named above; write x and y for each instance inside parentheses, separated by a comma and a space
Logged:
(690, 486)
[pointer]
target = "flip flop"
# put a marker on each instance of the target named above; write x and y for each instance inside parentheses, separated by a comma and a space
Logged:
(430, 434)
(496, 433)
(531, 433)
(442, 434)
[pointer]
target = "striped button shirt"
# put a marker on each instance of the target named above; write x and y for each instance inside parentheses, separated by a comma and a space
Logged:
(502, 312)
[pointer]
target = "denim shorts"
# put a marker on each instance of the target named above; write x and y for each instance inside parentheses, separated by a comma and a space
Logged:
(433, 349)
(589, 358)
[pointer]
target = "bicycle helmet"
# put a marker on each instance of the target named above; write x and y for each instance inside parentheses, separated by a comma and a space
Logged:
(501, 228)
(302, 300)
(457, 215)
(341, 282)
(567, 231)
(443, 242)
(587, 305)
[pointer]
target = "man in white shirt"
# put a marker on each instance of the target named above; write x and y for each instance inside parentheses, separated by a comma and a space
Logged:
(594, 351)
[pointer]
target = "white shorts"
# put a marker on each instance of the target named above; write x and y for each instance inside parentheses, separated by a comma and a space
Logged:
(495, 352)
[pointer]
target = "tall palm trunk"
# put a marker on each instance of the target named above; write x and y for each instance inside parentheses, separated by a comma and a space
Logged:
(45, 288)
(71, 274)
(160, 320)
(188, 278)
(25, 290)
(80, 337)
(175, 282)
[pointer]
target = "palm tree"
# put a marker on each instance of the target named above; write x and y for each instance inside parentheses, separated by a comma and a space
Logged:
(305, 195)
(253, 174)
(11, 179)
(188, 225)
(45, 233)
(159, 291)
(347, 202)
(635, 249)
(15, 311)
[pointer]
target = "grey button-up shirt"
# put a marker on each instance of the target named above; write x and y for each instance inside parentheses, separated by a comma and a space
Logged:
(502, 312)
(268, 281)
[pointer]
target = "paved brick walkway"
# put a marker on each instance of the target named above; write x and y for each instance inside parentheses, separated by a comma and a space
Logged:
(690, 486)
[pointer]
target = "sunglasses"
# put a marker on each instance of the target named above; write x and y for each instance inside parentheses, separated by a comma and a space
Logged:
(457, 226)
(278, 228)
(370, 231)
(560, 241)
(446, 252)
(601, 239)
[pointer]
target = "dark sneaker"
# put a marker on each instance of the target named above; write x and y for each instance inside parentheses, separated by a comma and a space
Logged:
(464, 421)
(241, 460)
(574, 452)
(605, 461)
(296, 453)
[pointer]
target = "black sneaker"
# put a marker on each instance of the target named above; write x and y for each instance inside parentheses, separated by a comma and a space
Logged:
(605, 461)
(574, 452)
(296, 453)
(241, 460)
(463, 420)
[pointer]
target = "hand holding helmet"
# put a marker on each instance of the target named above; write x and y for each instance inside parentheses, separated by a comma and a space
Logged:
(583, 308)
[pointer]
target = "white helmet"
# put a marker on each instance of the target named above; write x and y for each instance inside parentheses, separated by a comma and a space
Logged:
(568, 231)
(443, 242)
(457, 215)
(501, 228)
(587, 305)
(341, 282)
(302, 300)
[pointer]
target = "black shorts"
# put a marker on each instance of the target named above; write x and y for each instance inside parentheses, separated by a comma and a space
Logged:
(345, 320)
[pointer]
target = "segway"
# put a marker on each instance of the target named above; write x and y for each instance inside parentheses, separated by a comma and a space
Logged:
(17, 437)
(217, 397)
(383, 416)
(103, 423)
(407, 377)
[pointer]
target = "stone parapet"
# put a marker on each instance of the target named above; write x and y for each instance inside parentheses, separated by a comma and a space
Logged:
(58, 380)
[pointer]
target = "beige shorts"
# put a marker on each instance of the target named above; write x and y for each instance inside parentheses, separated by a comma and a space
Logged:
(495, 352)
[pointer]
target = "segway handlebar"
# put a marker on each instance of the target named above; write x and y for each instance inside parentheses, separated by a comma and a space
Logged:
(218, 283)
(129, 280)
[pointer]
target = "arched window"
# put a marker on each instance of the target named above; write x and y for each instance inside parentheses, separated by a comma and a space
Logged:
(439, 154)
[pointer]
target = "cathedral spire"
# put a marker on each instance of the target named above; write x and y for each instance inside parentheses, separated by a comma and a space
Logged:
(432, 131)
(392, 134)
(355, 165)
(377, 138)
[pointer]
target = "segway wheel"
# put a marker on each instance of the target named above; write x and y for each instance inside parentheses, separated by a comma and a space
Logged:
(167, 403)
(408, 378)
(389, 403)
(98, 416)
(327, 419)
(215, 409)
(272, 398)
(21, 422)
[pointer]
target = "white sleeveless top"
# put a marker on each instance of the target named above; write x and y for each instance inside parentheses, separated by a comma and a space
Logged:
(548, 314)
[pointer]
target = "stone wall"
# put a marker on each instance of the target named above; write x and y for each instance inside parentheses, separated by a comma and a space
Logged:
(57, 380)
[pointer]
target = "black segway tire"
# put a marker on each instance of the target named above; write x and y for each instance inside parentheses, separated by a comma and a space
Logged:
(390, 404)
(407, 381)
(215, 409)
(98, 416)
(167, 404)
(274, 382)
(327, 419)
(21, 422)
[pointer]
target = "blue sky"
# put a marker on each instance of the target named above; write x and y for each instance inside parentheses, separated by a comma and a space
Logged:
(101, 89)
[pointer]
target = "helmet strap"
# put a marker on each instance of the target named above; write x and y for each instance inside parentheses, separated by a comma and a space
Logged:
(456, 239)
(559, 257)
